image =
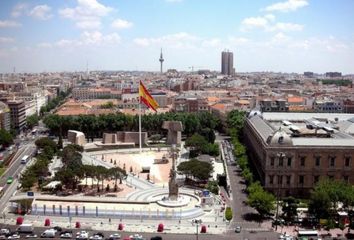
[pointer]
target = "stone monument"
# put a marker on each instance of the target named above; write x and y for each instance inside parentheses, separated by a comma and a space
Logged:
(172, 184)
(174, 131)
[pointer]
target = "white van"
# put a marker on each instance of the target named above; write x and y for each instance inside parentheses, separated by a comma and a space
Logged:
(25, 228)
(49, 233)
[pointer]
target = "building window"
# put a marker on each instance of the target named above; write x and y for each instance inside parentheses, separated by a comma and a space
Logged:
(318, 161)
(288, 178)
(281, 161)
(271, 179)
(302, 161)
(346, 179)
(289, 161)
(280, 180)
(272, 161)
(332, 161)
(301, 179)
(347, 161)
(316, 179)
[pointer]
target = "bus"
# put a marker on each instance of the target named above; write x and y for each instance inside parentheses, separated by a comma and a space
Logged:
(24, 159)
(307, 234)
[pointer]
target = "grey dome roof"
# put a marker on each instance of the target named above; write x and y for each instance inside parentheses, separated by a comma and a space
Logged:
(280, 138)
(255, 112)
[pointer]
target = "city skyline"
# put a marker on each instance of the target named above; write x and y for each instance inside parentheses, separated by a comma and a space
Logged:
(276, 35)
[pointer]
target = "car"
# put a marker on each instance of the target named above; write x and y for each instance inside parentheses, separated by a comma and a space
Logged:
(4, 231)
(31, 236)
(14, 236)
(82, 233)
(9, 180)
(3, 237)
(156, 238)
(99, 234)
(238, 229)
(136, 237)
(114, 236)
(66, 235)
(96, 237)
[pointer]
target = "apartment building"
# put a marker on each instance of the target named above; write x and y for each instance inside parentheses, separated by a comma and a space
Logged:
(190, 103)
(18, 114)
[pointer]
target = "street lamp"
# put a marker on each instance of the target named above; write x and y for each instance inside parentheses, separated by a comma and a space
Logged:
(197, 222)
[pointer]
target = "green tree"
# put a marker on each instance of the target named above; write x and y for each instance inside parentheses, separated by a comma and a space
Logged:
(228, 214)
(32, 120)
(5, 138)
(262, 201)
(197, 169)
(213, 187)
(289, 206)
(43, 142)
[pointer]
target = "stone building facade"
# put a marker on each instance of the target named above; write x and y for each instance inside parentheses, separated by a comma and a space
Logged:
(291, 158)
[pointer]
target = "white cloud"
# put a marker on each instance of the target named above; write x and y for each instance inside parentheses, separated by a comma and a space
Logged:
(19, 10)
(288, 27)
(254, 22)
(290, 5)
(177, 40)
(88, 38)
(9, 23)
(238, 40)
(44, 45)
(87, 14)
(280, 37)
(41, 12)
(6, 40)
(143, 42)
(89, 24)
(121, 24)
(268, 23)
(214, 42)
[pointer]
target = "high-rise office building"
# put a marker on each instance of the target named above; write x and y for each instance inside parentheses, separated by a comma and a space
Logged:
(227, 63)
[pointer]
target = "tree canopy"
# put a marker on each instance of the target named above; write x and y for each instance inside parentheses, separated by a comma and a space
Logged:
(197, 169)
(5, 137)
(327, 194)
(94, 126)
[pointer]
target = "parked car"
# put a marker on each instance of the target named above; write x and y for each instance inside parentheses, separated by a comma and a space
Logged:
(156, 238)
(66, 235)
(238, 229)
(114, 236)
(31, 236)
(5, 231)
(14, 236)
(136, 237)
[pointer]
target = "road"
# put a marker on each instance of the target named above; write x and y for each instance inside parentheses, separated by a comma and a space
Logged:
(165, 235)
(13, 171)
(241, 211)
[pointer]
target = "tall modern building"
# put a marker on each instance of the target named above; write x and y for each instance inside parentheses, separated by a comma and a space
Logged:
(161, 61)
(227, 63)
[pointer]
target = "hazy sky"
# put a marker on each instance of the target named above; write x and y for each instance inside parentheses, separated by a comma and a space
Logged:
(265, 35)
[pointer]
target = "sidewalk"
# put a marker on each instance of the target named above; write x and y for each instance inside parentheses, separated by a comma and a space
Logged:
(103, 224)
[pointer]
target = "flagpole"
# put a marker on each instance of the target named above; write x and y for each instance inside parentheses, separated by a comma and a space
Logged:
(139, 119)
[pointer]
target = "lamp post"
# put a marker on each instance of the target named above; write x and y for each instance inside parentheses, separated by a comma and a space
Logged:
(197, 222)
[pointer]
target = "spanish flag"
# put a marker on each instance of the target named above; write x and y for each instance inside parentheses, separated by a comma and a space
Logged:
(146, 98)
